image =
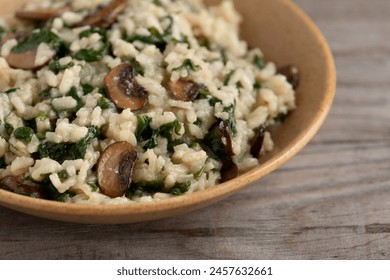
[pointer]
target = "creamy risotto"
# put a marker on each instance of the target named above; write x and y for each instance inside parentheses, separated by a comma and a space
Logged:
(127, 101)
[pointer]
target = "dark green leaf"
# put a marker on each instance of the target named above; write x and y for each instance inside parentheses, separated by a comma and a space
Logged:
(231, 121)
(228, 78)
(91, 55)
(87, 88)
(144, 132)
(63, 174)
(150, 187)
(9, 128)
(259, 62)
(36, 38)
(11, 90)
(180, 188)
(189, 66)
(56, 67)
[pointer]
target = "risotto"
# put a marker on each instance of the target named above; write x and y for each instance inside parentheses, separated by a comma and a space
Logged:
(126, 101)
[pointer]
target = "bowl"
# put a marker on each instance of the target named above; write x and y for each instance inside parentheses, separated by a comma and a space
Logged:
(286, 35)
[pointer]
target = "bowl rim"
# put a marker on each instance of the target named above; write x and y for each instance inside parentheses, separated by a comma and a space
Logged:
(204, 197)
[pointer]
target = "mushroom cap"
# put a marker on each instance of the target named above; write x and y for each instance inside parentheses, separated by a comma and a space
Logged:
(41, 14)
(123, 88)
(115, 168)
(105, 15)
(185, 90)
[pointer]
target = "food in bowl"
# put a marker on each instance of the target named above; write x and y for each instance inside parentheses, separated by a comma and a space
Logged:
(113, 102)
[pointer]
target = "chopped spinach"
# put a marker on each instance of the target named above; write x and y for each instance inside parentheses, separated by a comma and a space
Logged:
(157, 3)
(144, 131)
(259, 62)
(231, 121)
(228, 77)
(24, 133)
(183, 40)
(201, 171)
(150, 187)
(180, 188)
(41, 36)
(31, 124)
(104, 103)
(257, 85)
(160, 40)
(63, 174)
(281, 118)
(64, 197)
(45, 94)
(92, 55)
(11, 90)
(56, 67)
(189, 66)
(9, 128)
(205, 94)
(137, 67)
(89, 32)
(87, 88)
(68, 151)
(94, 186)
(73, 93)
(213, 142)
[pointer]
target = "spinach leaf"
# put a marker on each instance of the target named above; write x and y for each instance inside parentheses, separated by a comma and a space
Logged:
(180, 188)
(150, 187)
(56, 67)
(87, 88)
(189, 66)
(89, 32)
(91, 55)
(144, 131)
(45, 94)
(213, 142)
(160, 40)
(11, 90)
(41, 36)
(9, 128)
(104, 103)
(228, 77)
(68, 151)
(259, 62)
(205, 94)
(231, 121)
(24, 133)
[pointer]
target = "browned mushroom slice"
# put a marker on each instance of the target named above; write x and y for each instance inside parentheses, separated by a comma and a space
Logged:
(229, 170)
(27, 60)
(115, 169)
(185, 90)
(14, 184)
(123, 88)
(292, 74)
(257, 143)
(105, 15)
(41, 14)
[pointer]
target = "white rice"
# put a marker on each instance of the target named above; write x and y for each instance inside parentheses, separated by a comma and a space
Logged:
(227, 56)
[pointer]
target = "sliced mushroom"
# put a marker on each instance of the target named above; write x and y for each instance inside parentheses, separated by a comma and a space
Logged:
(115, 169)
(105, 15)
(292, 74)
(14, 184)
(185, 90)
(41, 14)
(28, 59)
(229, 170)
(123, 88)
(258, 141)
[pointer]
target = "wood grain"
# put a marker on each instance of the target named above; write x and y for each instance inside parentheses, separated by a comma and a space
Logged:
(332, 201)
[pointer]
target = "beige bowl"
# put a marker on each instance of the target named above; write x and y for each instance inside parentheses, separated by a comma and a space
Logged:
(286, 36)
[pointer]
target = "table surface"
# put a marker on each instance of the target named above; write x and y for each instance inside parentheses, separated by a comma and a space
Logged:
(332, 201)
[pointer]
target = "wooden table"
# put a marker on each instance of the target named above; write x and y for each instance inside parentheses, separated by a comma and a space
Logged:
(331, 201)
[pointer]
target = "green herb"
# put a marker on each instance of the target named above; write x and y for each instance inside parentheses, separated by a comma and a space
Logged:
(63, 174)
(56, 67)
(24, 133)
(68, 151)
(41, 36)
(87, 88)
(89, 32)
(94, 186)
(137, 67)
(104, 103)
(2, 163)
(160, 40)
(91, 55)
(41, 116)
(257, 85)
(153, 141)
(231, 122)
(183, 40)
(157, 3)
(8, 128)
(41, 136)
(11, 90)
(213, 141)
(200, 172)
(259, 62)
(181, 188)
(73, 93)
(64, 197)
(205, 94)
(198, 122)
(143, 132)
(228, 78)
(45, 94)
(189, 66)
(167, 131)
(150, 187)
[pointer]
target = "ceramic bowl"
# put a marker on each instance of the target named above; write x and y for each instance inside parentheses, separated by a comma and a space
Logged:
(286, 35)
